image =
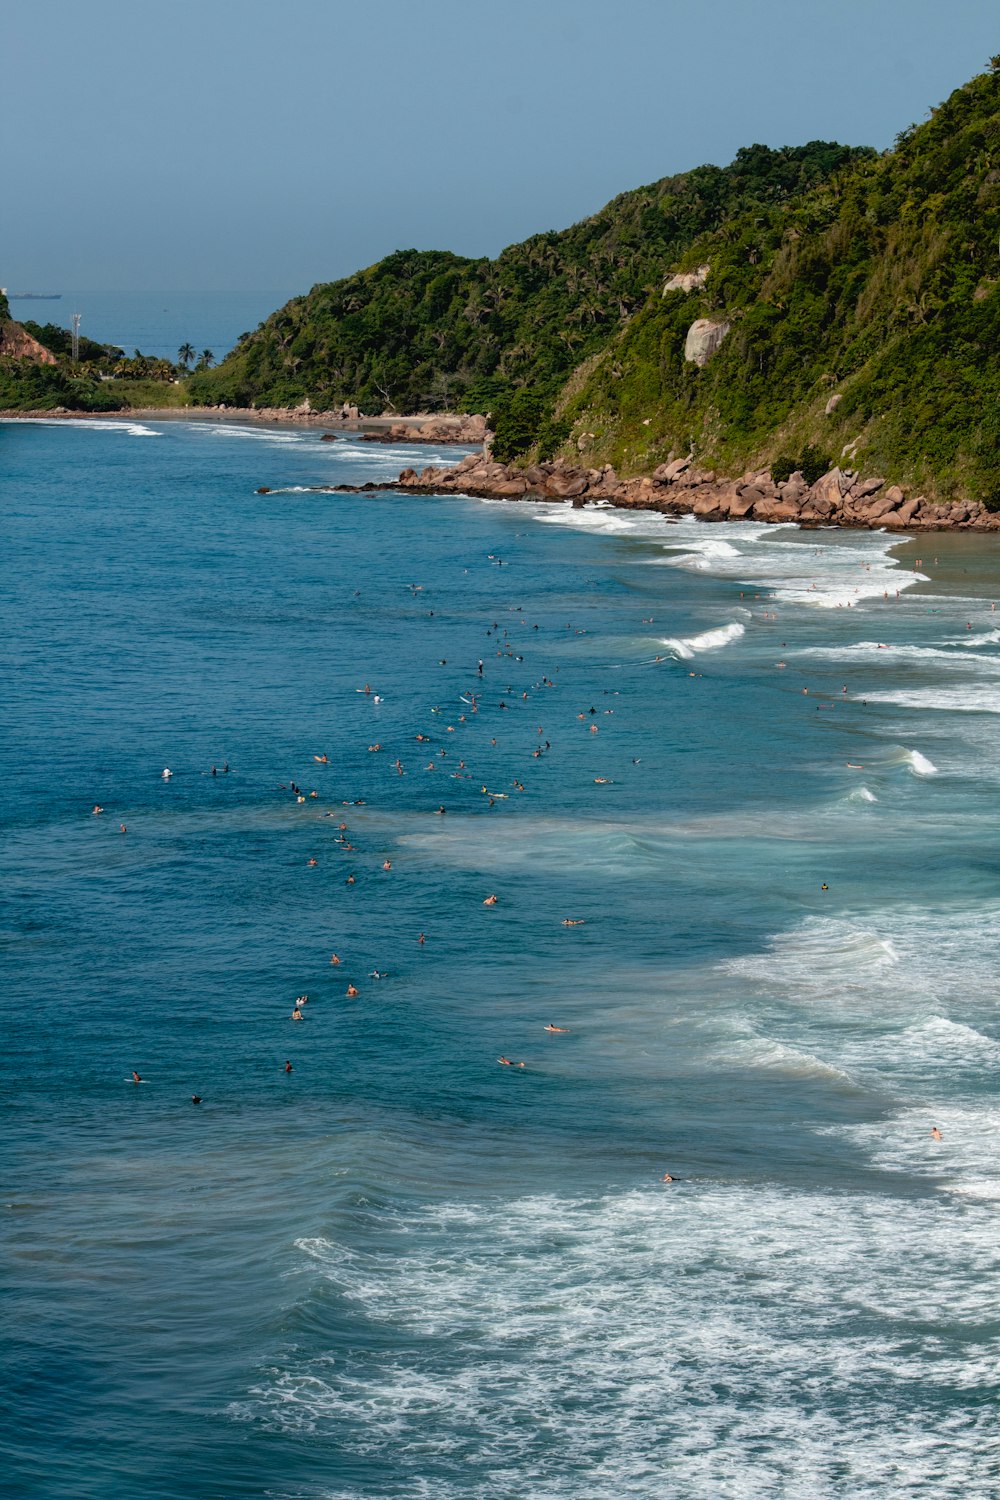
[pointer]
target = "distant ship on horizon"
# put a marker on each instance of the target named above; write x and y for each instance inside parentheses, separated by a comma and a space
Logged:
(34, 296)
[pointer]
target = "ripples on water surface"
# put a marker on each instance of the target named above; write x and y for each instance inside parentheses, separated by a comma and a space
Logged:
(402, 1269)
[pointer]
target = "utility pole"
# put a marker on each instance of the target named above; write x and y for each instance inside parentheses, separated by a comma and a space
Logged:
(76, 337)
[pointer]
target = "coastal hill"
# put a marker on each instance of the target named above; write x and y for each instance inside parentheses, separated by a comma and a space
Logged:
(428, 329)
(823, 297)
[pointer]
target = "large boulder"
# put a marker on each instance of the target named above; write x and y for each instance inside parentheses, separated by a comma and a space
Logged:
(875, 509)
(703, 338)
(742, 502)
(668, 473)
(770, 509)
(510, 489)
(830, 487)
(566, 485)
(816, 508)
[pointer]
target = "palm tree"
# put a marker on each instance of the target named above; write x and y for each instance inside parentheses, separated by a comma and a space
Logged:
(207, 358)
(185, 355)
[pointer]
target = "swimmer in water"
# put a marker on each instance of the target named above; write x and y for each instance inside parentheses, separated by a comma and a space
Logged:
(387, 864)
(824, 887)
(323, 760)
(421, 938)
(312, 861)
(122, 828)
(195, 1098)
(334, 959)
(352, 991)
(296, 1014)
(574, 921)
(490, 901)
(98, 809)
(550, 1027)
(935, 1133)
(288, 1066)
(135, 1077)
(667, 1178)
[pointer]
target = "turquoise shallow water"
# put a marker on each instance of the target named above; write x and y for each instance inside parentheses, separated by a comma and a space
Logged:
(403, 1269)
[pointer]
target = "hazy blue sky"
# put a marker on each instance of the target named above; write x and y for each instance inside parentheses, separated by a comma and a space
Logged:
(243, 144)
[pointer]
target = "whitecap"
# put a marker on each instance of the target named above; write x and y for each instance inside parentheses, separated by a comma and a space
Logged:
(685, 647)
(973, 698)
(133, 429)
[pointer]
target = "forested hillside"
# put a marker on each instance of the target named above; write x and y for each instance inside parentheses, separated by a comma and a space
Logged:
(427, 329)
(852, 303)
(876, 295)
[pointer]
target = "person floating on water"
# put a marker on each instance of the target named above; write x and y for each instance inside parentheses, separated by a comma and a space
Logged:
(135, 1077)
(490, 901)
(288, 1066)
(195, 1098)
(550, 1027)
(935, 1133)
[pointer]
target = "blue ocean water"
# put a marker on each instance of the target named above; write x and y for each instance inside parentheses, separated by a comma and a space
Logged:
(158, 323)
(753, 767)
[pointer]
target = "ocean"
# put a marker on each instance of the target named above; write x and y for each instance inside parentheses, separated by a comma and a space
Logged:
(733, 789)
(158, 323)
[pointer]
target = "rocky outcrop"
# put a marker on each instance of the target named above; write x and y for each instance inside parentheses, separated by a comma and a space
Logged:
(839, 498)
(16, 343)
(687, 281)
(446, 429)
(703, 338)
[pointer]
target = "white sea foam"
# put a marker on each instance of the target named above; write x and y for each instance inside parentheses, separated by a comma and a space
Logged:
(973, 698)
(973, 638)
(133, 429)
(685, 647)
(606, 519)
(920, 765)
(692, 1340)
(831, 575)
(861, 794)
(890, 654)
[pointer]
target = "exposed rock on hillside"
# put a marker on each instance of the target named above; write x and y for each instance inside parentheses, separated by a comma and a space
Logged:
(703, 338)
(16, 343)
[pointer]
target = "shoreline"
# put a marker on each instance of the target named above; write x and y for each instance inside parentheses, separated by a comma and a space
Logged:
(420, 427)
(840, 498)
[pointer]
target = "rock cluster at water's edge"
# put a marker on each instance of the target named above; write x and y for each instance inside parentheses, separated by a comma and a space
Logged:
(840, 498)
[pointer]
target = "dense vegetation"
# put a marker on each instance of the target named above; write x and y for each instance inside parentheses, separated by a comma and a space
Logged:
(875, 279)
(881, 286)
(101, 379)
(427, 329)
